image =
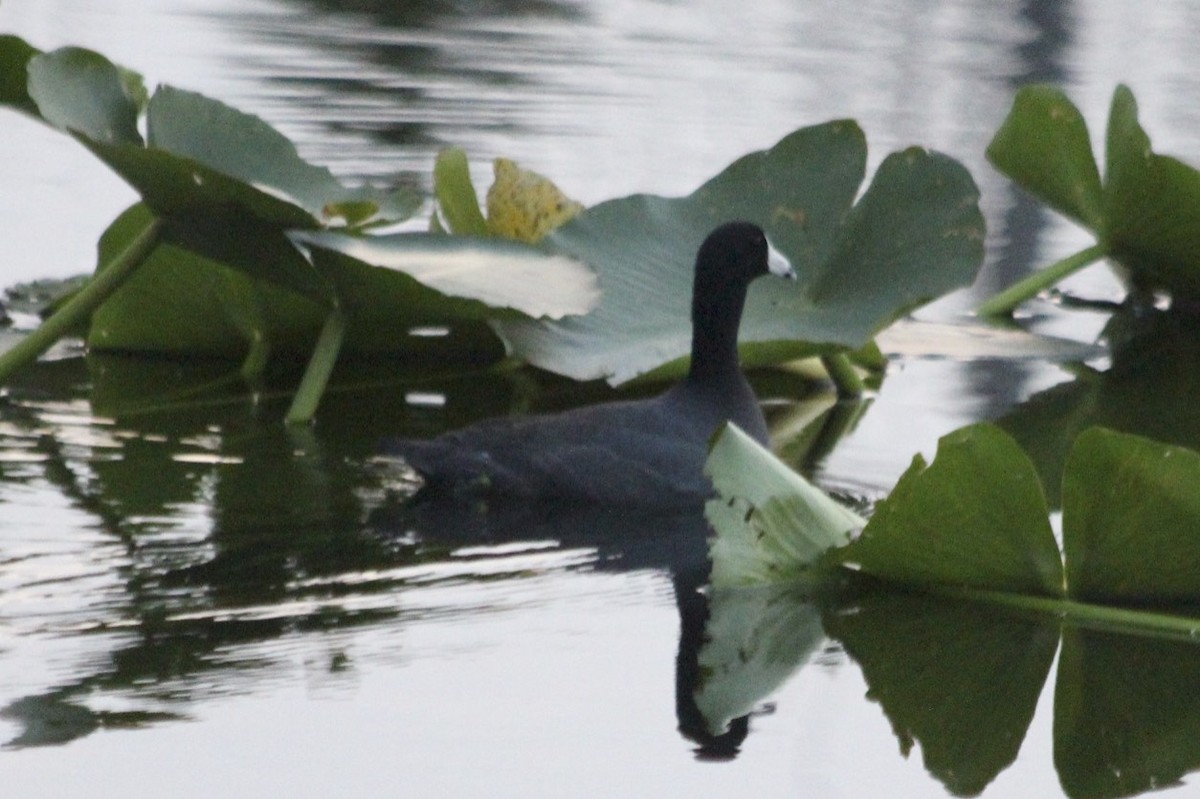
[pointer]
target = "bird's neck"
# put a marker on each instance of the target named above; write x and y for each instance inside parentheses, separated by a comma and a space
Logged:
(716, 317)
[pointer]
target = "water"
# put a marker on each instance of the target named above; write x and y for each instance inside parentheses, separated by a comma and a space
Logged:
(203, 603)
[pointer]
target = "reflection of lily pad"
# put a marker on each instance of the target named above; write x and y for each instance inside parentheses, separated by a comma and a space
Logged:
(914, 235)
(1126, 713)
(960, 679)
(755, 638)
(1150, 390)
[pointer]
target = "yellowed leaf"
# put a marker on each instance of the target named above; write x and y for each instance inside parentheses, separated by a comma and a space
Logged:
(524, 205)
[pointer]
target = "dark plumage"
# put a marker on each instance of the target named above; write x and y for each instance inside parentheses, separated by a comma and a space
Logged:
(646, 452)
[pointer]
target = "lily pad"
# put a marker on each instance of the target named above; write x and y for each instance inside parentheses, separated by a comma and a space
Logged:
(1152, 206)
(1146, 215)
(976, 517)
(181, 300)
(427, 296)
(1131, 510)
(524, 205)
(199, 153)
(959, 679)
(916, 234)
(83, 92)
(15, 54)
(771, 524)
(1044, 146)
(496, 273)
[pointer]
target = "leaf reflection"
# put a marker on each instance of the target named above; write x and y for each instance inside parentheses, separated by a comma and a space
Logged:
(962, 680)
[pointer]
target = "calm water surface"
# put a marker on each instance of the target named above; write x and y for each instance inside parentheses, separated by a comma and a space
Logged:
(196, 601)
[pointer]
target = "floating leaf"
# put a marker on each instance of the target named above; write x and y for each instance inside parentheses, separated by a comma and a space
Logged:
(1131, 511)
(200, 154)
(525, 206)
(181, 301)
(184, 302)
(976, 517)
(771, 524)
(83, 92)
(916, 234)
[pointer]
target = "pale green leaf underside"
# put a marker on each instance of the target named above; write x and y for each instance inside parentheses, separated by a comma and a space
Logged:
(770, 523)
(916, 234)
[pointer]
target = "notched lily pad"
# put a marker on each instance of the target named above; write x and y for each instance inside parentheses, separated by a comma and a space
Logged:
(1044, 146)
(1131, 511)
(916, 234)
(1152, 206)
(1145, 215)
(976, 517)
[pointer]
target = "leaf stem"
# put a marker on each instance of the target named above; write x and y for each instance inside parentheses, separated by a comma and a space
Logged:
(1087, 614)
(1002, 304)
(76, 310)
(258, 354)
(841, 370)
(456, 197)
(320, 366)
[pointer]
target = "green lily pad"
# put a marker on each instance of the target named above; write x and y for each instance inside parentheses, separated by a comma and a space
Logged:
(83, 92)
(976, 518)
(200, 155)
(1147, 213)
(15, 54)
(916, 234)
(423, 295)
(182, 301)
(1044, 146)
(771, 524)
(1152, 206)
(1131, 511)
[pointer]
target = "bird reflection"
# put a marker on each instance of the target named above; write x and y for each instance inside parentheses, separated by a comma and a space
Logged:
(623, 541)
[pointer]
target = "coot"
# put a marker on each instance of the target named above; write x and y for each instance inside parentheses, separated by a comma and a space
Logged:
(649, 452)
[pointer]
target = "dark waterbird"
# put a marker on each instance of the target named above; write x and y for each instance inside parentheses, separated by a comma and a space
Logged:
(648, 452)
